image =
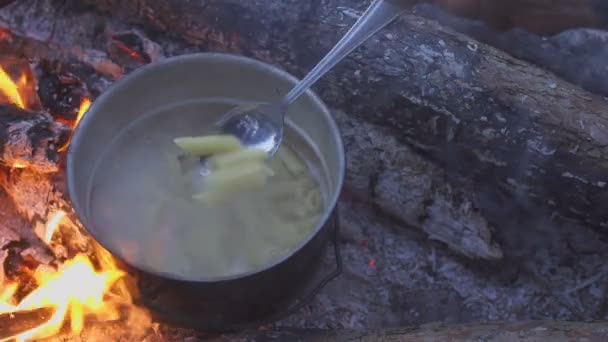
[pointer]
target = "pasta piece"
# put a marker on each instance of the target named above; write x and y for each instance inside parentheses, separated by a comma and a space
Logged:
(208, 145)
(292, 210)
(313, 201)
(246, 177)
(213, 197)
(293, 164)
(288, 188)
(277, 165)
(264, 254)
(206, 249)
(230, 159)
(247, 217)
(305, 226)
(224, 185)
(283, 233)
(258, 252)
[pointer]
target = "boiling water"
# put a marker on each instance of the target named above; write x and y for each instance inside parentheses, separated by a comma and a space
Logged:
(141, 202)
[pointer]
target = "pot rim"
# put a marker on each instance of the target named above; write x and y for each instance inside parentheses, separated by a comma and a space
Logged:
(77, 135)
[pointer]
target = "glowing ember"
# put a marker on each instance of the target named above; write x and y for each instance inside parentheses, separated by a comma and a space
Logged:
(10, 88)
(18, 165)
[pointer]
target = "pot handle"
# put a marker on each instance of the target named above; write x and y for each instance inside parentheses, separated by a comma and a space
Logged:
(308, 298)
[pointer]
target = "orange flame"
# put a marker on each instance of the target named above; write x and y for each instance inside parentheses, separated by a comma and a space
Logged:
(74, 291)
(85, 104)
(11, 89)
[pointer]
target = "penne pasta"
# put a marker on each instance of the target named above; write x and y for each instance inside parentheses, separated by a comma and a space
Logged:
(230, 159)
(312, 201)
(247, 176)
(213, 197)
(306, 225)
(243, 211)
(208, 145)
(287, 188)
(291, 161)
(284, 233)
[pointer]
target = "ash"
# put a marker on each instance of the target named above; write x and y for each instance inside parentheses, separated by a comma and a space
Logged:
(507, 262)
(395, 276)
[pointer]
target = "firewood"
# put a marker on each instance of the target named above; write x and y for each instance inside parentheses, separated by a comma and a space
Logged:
(489, 332)
(480, 113)
(22, 321)
(30, 139)
(555, 331)
(539, 16)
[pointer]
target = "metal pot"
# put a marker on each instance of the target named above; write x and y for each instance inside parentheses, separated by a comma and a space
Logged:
(231, 302)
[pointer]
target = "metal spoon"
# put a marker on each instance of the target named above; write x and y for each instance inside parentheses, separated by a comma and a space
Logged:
(261, 126)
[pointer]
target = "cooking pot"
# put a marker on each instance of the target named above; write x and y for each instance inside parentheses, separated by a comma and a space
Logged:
(220, 303)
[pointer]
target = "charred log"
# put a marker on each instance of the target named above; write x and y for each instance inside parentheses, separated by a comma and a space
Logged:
(22, 321)
(471, 108)
(22, 46)
(30, 140)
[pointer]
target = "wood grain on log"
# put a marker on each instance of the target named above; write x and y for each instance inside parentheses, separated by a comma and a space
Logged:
(475, 110)
(30, 139)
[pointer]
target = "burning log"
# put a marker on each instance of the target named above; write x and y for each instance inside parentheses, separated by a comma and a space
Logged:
(30, 140)
(473, 109)
(16, 323)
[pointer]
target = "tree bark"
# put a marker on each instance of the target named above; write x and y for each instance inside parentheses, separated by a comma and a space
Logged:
(475, 110)
(30, 139)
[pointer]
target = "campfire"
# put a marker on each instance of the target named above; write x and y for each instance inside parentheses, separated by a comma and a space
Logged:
(476, 170)
(77, 289)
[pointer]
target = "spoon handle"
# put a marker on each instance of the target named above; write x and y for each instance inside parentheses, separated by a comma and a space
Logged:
(379, 14)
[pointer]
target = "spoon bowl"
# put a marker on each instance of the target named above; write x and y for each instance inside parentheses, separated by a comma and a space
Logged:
(258, 126)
